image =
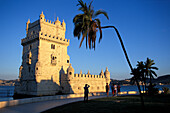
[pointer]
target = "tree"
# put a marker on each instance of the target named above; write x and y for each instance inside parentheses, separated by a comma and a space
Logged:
(149, 72)
(141, 68)
(140, 76)
(144, 71)
(149, 69)
(87, 25)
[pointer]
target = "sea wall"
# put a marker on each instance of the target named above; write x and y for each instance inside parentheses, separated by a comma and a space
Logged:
(58, 97)
(43, 98)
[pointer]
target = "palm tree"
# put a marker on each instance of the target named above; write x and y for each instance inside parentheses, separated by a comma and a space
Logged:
(87, 25)
(143, 77)
(149, 69)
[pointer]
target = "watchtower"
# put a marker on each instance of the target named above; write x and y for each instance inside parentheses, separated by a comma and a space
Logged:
(44, 55)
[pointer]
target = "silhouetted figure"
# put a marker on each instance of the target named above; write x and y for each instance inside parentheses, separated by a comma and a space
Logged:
(107, 89)
(115, 90)
(112, 87)
(86, 91)
(118, 89)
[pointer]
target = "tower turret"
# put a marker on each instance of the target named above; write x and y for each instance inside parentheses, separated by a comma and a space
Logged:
(28, 22)
(102, 73)
(70, 72)
(42, 16)
(88, 72)
(80, 71)
(63, 24)
(57, 22)
(107, 74)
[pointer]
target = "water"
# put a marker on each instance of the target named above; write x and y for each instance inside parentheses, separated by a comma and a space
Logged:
(6, 92)
(135, 88)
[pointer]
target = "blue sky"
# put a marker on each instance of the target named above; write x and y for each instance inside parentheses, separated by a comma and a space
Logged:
(143, 24)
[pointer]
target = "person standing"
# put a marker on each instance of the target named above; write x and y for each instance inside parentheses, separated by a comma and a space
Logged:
(107, 89)
(86, 91)
(115, 90)
(118, 89)
(112, 87)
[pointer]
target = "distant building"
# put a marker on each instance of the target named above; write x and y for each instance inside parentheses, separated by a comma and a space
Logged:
(46, 68)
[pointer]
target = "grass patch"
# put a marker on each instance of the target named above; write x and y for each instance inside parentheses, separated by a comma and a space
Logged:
(123, 104)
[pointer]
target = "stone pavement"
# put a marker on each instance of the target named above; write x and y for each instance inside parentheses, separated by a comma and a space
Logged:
(41, 106)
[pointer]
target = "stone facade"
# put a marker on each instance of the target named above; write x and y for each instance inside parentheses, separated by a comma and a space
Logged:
(46, 68)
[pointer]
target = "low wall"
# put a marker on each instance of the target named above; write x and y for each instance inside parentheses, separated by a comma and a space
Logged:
(44, 98)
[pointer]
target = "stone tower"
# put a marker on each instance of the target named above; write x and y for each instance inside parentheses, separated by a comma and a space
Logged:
(44, 57)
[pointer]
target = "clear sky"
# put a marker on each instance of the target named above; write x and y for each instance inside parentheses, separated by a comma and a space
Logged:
(143, 24)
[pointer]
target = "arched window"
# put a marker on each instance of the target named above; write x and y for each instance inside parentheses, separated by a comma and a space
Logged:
(52, 46)
(30, 47)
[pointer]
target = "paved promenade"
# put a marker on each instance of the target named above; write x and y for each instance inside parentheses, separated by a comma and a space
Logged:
(41, 106)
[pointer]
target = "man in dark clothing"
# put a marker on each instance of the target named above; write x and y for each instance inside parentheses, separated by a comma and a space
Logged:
(86, 91)
(107, 89)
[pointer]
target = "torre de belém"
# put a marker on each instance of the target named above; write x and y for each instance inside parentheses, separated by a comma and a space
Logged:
(46, 68)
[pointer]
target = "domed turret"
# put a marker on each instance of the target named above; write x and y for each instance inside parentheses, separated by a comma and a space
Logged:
(42, 17)
(27, 24)
(80, 71)
(102, 73)
(107, 74)
(70, 71)
(64, 24)
(57, 22)
(88, 72)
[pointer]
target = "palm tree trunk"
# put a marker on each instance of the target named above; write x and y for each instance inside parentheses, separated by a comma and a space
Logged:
(127, 58)
(143, 87)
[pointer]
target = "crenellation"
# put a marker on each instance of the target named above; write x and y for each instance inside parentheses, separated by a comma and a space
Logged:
(49, 36)
(32, 25)
(89, 76)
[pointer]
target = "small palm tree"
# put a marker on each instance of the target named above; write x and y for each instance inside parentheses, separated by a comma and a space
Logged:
(144, 70)
(140, 67)
(149, 69)
(87, 25)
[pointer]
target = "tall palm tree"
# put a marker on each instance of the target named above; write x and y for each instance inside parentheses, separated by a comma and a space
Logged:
(87, 25)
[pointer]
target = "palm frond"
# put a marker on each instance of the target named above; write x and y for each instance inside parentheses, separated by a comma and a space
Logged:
(77, 30)
(154, 73)
(82, 40)
(101, 12)
(154, 68)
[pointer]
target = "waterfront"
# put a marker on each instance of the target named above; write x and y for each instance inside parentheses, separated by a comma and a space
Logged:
(6, 92)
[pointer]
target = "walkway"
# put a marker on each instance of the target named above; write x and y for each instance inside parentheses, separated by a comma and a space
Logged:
(41, 106)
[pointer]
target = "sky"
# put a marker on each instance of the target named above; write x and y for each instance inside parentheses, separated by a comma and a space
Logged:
(144, 26)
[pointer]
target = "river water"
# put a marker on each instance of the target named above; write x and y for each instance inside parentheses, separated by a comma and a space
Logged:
(6, 92)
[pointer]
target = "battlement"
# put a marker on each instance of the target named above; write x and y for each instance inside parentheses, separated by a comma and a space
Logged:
(89, 76)
(54, 38)
(54, 24)
(45, 36)
(55, 28)
(47, 30)
(29, 38)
